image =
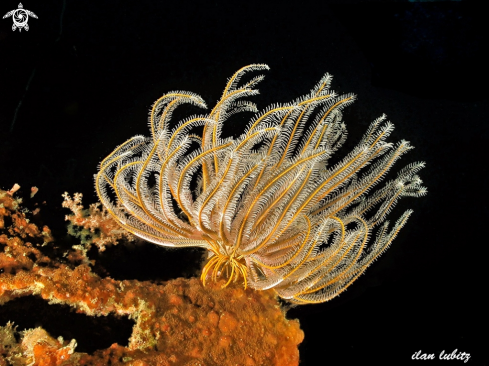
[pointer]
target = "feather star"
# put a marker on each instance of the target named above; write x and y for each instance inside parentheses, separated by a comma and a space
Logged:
(267, 205)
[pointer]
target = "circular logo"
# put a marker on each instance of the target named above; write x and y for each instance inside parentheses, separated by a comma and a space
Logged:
(20, 18)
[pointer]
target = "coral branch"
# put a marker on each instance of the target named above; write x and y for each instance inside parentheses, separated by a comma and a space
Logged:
(93, 226)
(176, 323)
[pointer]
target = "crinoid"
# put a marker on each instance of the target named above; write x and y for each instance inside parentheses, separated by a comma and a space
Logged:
(267, 205)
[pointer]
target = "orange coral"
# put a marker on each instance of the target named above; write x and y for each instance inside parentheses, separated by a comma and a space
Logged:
(93, 225)
(176, 323)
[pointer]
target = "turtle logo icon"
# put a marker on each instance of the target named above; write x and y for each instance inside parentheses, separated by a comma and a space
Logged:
(20, 17)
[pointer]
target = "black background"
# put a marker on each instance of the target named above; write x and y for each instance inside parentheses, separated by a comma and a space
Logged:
(82, 79)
